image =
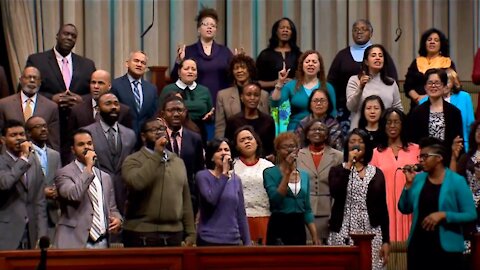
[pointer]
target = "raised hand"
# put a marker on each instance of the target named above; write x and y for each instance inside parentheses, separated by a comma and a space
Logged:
(181, 52)
(282, 74)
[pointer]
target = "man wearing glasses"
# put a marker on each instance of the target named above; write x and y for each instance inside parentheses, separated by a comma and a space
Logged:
(159, 209)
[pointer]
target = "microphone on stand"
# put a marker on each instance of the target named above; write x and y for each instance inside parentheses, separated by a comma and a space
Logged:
(43, 243)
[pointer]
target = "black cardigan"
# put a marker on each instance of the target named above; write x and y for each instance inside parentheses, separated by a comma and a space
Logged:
(419, 118)
(376, 200)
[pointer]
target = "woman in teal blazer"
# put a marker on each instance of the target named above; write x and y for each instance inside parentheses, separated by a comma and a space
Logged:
(441, 202)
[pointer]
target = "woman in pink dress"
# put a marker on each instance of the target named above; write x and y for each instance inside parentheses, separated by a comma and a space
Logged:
(395, 152)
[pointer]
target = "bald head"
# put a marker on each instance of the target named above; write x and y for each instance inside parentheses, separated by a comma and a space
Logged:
(100, 82)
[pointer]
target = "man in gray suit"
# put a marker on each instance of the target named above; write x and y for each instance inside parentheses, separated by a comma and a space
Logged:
(49, 160)
(87, 202)
(23, 218)
(27, 103)
(114, 142)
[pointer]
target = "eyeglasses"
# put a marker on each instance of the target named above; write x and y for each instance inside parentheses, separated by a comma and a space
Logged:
(436, 84)
(289, 147)
(209, 25)
(175, 110)
(426, 155)
(360, 29)
(31, 77)
(156, 130)
(318, 130)
(394, 123)
(320, 101)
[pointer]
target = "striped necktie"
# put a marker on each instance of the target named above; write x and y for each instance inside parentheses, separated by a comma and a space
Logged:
(96, 230)
(136, 94)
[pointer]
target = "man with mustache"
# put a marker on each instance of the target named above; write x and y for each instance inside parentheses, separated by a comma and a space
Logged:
(28, 103)
(183, 142)
(134, 91)
(113, 142)
(159, 210)
(49, 159)
(23, 218)
(89, 213)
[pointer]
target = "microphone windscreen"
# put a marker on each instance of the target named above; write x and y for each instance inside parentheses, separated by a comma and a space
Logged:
(44, 242)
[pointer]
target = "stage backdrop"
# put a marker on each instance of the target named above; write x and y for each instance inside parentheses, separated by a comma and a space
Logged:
(110, 29)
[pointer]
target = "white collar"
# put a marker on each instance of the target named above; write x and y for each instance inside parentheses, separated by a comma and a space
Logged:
(182, 85)
(60, 57)
(24, 97)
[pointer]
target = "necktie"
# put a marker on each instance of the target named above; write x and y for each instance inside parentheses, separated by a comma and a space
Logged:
(95, 112)
(96, 229)
(176, 149)
(136, 94)
(27, 112)
(67, 78)
(112, 143)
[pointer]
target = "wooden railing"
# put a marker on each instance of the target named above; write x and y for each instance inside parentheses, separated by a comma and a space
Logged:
(226, 258)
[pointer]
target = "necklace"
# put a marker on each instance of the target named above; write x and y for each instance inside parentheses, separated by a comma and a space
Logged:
(319, 153)
(359, 171)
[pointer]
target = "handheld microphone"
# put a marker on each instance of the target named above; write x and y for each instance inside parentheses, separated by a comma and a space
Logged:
(85, 153)
(30, 148)
(44, 244)
(414, 167)
(355, 147)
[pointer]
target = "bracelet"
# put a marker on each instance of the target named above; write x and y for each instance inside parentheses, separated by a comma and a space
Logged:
(278, 85)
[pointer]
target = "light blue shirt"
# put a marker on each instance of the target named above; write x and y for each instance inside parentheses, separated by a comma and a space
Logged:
(41, 154)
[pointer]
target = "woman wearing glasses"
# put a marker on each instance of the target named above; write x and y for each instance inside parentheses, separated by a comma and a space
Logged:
(436, 117)
(288, 192)
(395, 152)
(321, 108)
(358, 192)
(440, 201)
(372, 80)
(316, 158)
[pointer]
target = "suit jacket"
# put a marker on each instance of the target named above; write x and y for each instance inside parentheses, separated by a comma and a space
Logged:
(52, 79)
(192, 155)
(81, 115)
(229, 104)
(121, 87)
(77, 210)
(53, 159)
(320, 199)
(11, 108)
(110, 164)
(18, 201)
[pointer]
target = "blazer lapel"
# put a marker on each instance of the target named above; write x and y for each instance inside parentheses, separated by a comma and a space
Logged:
(306, 160)
(17, 101)
(103, 141)
(52, 61)
(76, 69)
(326, 160)
(234, 102)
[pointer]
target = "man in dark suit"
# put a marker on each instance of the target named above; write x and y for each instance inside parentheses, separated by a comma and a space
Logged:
(27, 103)
(83, 114)
(49, 160)
(183, 142)
(65, 76)
(114, 142)
(23, 218)
(138, 94)
(88, 209)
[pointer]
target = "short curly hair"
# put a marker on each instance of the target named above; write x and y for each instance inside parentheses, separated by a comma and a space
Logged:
(247, 61)
(204, 13)
(283, 137)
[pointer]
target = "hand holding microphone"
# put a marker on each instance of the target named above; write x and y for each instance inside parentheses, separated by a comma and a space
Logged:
(353, 155)
(227, 163)
(410, 171)
(160, 144)
(90, 158)
(26, 148)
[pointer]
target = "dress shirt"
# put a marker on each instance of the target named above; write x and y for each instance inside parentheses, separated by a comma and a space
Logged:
(139, 87)
(99, 187)
(24, 99)
(94, 106)
(179, 138)
(41, 153)
(60, 64)
(106, 127)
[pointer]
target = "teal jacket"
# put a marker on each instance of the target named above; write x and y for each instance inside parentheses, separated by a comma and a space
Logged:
(455, 199)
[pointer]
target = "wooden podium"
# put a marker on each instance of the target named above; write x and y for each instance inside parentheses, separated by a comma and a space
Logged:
(356, 257)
